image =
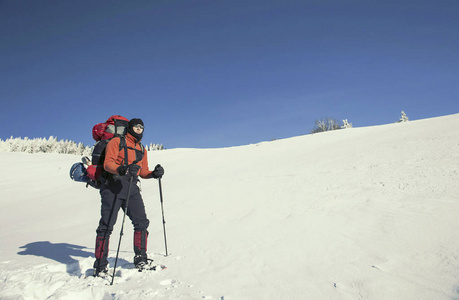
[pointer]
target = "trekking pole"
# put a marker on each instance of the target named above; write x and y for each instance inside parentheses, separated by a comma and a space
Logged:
(122, 228)
(162, 210)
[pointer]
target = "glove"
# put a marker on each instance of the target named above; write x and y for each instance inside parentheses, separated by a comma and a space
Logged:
(131, 169)
(122, 170)
(158, 172)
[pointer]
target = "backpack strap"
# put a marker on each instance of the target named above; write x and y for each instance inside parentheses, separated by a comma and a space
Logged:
(138, 157)
(124, 146)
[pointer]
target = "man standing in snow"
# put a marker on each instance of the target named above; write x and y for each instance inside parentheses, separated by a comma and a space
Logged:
(121, 163)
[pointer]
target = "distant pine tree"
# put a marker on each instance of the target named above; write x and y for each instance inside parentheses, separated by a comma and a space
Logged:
(403, 118)
(52, 145)
(43, 145)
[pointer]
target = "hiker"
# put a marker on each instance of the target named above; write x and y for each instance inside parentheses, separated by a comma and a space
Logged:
(114, 192)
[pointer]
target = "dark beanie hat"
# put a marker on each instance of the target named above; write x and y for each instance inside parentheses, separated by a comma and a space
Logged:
(132, 123)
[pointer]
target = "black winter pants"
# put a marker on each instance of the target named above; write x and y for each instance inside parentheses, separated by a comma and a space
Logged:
(114, 195)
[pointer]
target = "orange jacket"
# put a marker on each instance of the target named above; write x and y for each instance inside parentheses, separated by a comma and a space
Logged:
(115, 158)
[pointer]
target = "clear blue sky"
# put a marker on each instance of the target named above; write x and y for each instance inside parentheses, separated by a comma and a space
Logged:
(207, 73)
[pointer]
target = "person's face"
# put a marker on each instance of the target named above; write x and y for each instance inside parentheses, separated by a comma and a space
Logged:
(138, 128)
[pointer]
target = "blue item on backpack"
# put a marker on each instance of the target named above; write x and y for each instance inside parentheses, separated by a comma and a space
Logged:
(78, 173)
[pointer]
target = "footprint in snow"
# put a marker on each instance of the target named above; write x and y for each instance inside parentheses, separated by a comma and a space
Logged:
(168, 282)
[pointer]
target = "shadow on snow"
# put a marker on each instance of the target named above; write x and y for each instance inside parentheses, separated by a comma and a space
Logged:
(60, 252)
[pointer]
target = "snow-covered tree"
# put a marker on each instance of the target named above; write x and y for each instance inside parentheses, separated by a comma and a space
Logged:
(43, 145)
(325, 125)
(52, 145)
(153, 147)
(403, 118)
(346, 124)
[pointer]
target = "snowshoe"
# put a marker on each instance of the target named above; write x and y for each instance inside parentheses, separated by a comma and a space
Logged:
(145, 265)
(101, 273)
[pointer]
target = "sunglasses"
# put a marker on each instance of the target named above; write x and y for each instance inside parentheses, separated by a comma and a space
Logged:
(138, 126)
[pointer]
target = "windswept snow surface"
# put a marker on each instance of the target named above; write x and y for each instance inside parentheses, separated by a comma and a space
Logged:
(361, 213)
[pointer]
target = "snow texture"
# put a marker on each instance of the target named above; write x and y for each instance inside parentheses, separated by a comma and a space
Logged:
(362, 213)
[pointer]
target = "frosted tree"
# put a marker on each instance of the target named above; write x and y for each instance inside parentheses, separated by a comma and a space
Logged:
(15, 144)
(346, 124)
(81, 149)
(153, 147)
(28, 145)
(403, 118)
(43, 145)
(51, 145)
(325, 125)
(40, 145)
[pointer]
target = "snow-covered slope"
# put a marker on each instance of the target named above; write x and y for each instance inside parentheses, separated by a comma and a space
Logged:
(362, 213)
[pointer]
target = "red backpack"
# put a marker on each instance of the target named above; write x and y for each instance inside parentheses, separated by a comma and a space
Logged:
(115, 126)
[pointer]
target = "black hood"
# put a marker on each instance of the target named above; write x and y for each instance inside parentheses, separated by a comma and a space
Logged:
(132, 123)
